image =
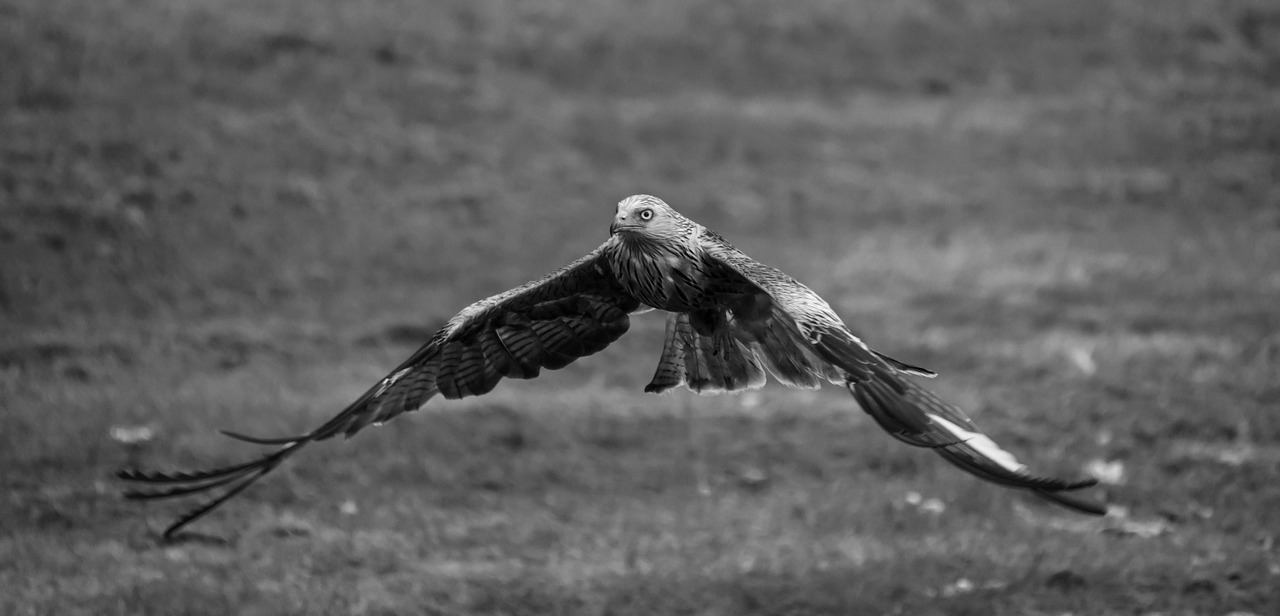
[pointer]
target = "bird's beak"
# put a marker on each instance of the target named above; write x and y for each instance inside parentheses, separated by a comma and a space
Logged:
(619, 223)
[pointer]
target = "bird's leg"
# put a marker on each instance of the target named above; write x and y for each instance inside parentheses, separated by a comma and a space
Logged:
(694, 443)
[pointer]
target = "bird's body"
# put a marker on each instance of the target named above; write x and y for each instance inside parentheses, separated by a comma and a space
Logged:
(730, 321)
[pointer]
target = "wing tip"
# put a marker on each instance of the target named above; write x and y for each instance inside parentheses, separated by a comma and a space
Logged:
(258, 440)
(1073, 502)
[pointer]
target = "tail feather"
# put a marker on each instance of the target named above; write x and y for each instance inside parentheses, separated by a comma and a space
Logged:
(710, 365)
(697, 372)
(706, 364)
(671, 368)
(729, 368)
(786, 354)
(720, 363)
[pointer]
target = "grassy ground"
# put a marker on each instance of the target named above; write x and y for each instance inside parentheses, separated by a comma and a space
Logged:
(234, 214)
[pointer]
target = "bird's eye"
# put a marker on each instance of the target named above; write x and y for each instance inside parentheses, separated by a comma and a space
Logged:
(646, 214)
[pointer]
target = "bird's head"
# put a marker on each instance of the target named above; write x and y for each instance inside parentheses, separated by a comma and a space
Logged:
(646, 216)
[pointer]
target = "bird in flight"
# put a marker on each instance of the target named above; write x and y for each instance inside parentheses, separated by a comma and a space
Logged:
(730, 321)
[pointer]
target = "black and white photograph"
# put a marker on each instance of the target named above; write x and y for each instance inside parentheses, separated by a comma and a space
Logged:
(639, 307)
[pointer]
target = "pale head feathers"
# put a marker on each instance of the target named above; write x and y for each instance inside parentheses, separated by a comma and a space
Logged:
(648, 217)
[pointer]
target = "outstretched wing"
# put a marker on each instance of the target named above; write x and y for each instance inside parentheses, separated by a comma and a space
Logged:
(548, 323)
(918, 417)
(796, 334)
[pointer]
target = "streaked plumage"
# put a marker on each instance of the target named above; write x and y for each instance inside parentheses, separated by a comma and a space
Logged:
(730, 321)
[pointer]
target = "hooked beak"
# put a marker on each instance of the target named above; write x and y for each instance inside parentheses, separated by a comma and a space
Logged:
(619, 224)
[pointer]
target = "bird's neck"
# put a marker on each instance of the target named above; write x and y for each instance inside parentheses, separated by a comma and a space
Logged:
(661, 274)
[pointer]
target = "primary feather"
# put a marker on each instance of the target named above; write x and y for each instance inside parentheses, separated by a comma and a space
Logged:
(731, 321)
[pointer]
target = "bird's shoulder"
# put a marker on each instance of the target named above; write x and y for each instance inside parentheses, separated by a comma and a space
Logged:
(794, 298)
(768, 278)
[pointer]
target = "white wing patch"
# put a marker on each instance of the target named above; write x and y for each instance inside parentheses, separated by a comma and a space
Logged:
(389, 381)
(983, 444)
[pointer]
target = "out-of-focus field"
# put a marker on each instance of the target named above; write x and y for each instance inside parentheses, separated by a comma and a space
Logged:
(239, 214)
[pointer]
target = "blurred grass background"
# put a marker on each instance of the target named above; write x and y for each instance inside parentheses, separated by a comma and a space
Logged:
(234, 214)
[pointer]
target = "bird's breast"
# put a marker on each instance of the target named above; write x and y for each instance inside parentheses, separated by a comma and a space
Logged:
(661, 279)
